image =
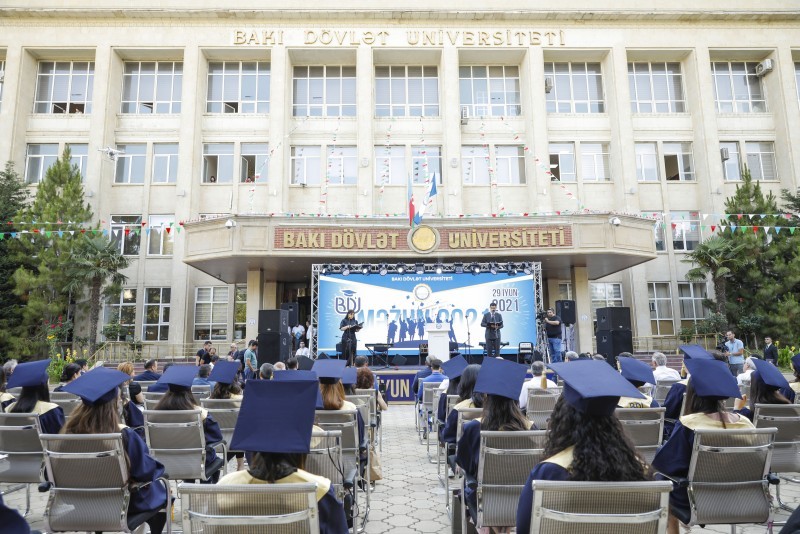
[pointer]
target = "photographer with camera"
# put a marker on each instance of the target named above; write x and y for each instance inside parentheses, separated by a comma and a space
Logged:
(552, 327)
(734, 350)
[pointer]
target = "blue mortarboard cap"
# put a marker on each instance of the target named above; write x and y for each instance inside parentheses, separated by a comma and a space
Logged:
(695, 352)
(349, 376)
(769, 374)
(224, 372)
(454, 367)
(796, 362)
(329, 370)
(712, 378)
(299, 376)
(29, 374)
(98, 386)
(636, 371)
(286, 426)
(500, 377)
(179, 376)
(593, 387)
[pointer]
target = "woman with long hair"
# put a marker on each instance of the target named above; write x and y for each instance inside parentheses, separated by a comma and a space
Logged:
(6, 398)
(464, 390)
(280, 439)
(98, 414)
(330, 374)
(709, 385)
(226, 387)
(71, 372)
(585, 441)
(767, 386)
(132, 400)
(452, 370)
(35, 396)
(179, 397)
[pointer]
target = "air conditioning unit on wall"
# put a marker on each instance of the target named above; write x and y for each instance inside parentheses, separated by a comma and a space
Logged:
(764, 67)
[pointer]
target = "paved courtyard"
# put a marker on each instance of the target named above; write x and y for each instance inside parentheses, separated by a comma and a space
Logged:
(410, 498)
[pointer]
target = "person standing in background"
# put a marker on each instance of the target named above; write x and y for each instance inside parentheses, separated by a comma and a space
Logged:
(203, 355)
(493, 323)
(770, 351)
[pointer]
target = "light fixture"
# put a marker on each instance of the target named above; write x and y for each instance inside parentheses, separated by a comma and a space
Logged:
(230, 224)
(419, 268)
(614, 221)
(526, 268)
(365, 269)
(401, 268)
(439, 269)
(345, 269)
(325, 269)
(493, 268)
(383, 269)
(475, 268)
(365, 162)
(548, 84)
(454, 162)
(512, 269)
(458, 268)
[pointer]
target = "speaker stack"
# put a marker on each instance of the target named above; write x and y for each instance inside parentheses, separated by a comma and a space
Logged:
(274, 336)
(566, 310)
(613, 333)
(294, 313)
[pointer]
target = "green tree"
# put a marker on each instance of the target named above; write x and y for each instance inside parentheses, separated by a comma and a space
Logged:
(96, 265)
(13, 197)
(716, 258)
(57, 215)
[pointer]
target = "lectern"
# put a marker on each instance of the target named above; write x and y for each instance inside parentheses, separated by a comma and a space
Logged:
(438, 335)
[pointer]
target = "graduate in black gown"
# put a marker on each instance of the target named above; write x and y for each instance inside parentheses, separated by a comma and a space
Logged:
(673, 402)
(767, 386)
(709, 385)
(452, 369)
(12, 521)
(279, 438)
(585, 441)
(35, 396)
(98, 413)
(330, 374)
(638, 374)
(466, 399)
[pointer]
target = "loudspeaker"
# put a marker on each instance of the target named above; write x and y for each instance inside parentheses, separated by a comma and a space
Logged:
(615, 318)
(294, 311)
(398, 360)
(274, 347)
(566, 310)
(304, 363)
(323, 356)
(274, 321)
(611, 342)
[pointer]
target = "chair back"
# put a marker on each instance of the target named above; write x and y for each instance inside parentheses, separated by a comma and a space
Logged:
(372, 395)
(644, 427)
(152, 398)
(600, 507)
(452, 400)
(541, 403)
(427, 394)
(786, 418)
(464, 415)
(90, 482)
(325, 457)
(506, 459)
(249, 508)
(176, 439)
(19, 440)
(727, 476)
(661, 390)
(345, 422)
(145, 384)
(67, 401)
(362, 405)
(200, 392)
(225, 412)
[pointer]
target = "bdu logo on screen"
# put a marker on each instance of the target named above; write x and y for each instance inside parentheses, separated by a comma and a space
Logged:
(347, 301)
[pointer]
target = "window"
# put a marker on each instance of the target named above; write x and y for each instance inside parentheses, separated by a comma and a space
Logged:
(646, 162)
(490, 91)
(152, 87)
(685, 227)
(165, 163)
(658, 228)
(761, 160)
(406, 91)
(125, 231)
(38, 160)
(130, 164)
(656, 88)
(306, 165)
(64, 87)
(324, 91)
(660, 301)
(238, 87)
(510, 168)
(731, 167)
(390, 165)
(155, 320)
(121, 310)
(217, 163)
(605, 295)
(211, 313)
(161, 235)
(678, 162)
(342, 166)
(562, 162)
(737, 89)
(576, 88)
(595, 162)
(691, 296)
(475, 164)
(564, 291)
(426, 162)
(255, 160)
(240, 313)
(79, 156)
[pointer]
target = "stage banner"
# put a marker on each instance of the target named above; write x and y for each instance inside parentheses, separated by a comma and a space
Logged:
(395, 308)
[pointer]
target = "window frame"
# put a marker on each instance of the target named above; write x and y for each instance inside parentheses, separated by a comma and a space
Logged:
(227, 158)
(422, 155)
(684, 225)
(140, 104)
(119, 305)
(508, 107)
(136, 162)
(736, 104)
(162, 227)
(328, 105)
(47, 104)
(601, 158)
(653, 300)
(163, 305)
(43, 158)
(694, 301)
(226, 104)
(406, 108)
(390, 165)
(605, 302)
(260, 161)
(470, 167)
(757, 172)
(239, 312)
(222, 333)
(307, 164)
(501, 159)
(559, 153)
(678, 150)
(640, 169)
(132, 237)
(171, 165)
(556, 103)
(673, 105)
(2, 79)
(337, 165)
(726, 163)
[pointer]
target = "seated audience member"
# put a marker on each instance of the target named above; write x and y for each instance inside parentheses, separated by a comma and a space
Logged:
(598, 357)
(226, 387)
(279, 366)
(178, 379)
(279, 440)
(71, 372)
(5, 397)
(795, 385)
(160, 387)
(349, 379)
(585, 441)
(202, 376)
(673, 402)
(365, 379)
(571, 356)
(132, 401)
(638, 374)
(83, 364)
(9, 367)
(291, 364)
(425, 372)
(452, 369)
(660, 370)
(265, 371)
(302, 350)
(232, 352)
(500, 382)
(435, 377)
(360, 361)
(748, 368)
(134, 389)
(710, 383)
(467, 398)
(330, 374)
(150, 372)
(585, 356)
(97, 414)
(35, 396)
(767, 386)
(539, 381)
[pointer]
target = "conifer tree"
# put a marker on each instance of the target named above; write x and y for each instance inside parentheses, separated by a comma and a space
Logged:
(13, 197)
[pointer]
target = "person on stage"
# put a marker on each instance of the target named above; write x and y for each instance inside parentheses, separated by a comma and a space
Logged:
(349, 326)
(552, 327)
(492, 322)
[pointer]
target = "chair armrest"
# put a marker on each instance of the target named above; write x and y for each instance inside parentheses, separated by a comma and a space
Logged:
(349, 481)
(678, 482)
(773, 479)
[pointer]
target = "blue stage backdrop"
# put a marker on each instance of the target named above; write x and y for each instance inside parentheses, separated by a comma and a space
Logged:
(394, 308)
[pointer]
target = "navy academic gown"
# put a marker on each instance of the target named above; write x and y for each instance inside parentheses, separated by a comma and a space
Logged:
(213, 435)
(144, 468)
(673, 403)
(147, 376)
(420, 375)
(134, 418)
(543, 471)
(6, 399)
(51, 416)
(12, 522)
(448, 432)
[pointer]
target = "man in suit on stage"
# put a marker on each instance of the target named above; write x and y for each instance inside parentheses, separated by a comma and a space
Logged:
(492, 322)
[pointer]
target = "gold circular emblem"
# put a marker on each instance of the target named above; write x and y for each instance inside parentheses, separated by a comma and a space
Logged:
(423, 238)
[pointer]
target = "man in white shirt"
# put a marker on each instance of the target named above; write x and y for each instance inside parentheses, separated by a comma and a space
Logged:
(537, 368)
(660, 369)
(302, 350)
(744, 376)
(298, 332)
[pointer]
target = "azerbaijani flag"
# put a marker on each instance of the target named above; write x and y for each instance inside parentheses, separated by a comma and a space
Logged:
(411, 214)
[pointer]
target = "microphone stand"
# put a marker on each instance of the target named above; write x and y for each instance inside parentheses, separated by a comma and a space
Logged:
(468, 343)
